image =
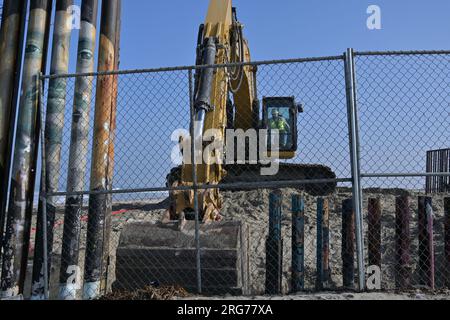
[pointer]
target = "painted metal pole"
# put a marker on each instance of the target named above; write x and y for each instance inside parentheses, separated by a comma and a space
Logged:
(423, 253)
(402, 242)
(11, 49)
(319, 246)
(426, 245)
(447, 239)
(326, 242)
(15, 246)
(105, 286)
(43, 195)
(100, 205)
(39, 128)
(355, 162)
(78, 153)
(54, 124)
(348, 244)
(274, 245)
(298, 244)
(111, 150)
(374, 232)
(323, 244)
(430, 217)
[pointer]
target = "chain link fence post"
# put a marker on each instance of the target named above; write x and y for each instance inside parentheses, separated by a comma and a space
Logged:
(195, 185)
(350, 84)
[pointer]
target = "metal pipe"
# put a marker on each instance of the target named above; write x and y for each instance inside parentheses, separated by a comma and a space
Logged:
(199, 67)
(374, 232)
(111, 151)
(33, 170)
(298, 244)
(195, 182)
(22, 179)
(447, 239)
(355, 166)
(323, 244)
(348, 244)
(326, 242)
(402, 242)
(11, 53)
(253, 63)
(358, 155)
(78, 149)
(394, 53)
(43, 196)
(422, 239)
(243, 185)
(404, 175)
(36, 143)
(274, 245)
(430, 234)
(426, 245)
(99, 216)
(54, 124)
(320, 245)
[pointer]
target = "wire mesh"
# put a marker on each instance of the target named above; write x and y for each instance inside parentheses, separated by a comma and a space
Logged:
(403, 105)
(403, 112)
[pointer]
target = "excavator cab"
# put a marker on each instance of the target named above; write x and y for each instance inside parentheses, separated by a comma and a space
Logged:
(280, 119)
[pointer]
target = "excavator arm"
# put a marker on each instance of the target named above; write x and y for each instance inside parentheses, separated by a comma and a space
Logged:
(220, 42)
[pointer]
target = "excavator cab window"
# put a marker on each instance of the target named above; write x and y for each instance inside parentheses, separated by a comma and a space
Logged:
(280, 119)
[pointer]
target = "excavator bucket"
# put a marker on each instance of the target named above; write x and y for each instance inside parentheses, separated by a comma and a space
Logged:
(160, 254)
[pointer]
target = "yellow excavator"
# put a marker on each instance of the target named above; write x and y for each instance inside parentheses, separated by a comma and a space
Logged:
(221, 42)
(225, 98)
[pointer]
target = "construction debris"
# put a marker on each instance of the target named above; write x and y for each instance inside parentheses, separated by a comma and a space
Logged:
(148, 293)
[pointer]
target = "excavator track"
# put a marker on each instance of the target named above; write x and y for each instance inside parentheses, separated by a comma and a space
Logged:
(287, 172)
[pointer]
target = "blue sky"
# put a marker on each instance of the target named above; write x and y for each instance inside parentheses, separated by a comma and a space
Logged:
(164, 33)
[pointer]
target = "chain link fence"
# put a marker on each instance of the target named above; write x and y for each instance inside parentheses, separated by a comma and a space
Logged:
(404, 111)
(347, 210)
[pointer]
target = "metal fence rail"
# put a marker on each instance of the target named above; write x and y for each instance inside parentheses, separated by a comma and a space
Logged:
(368, 116)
